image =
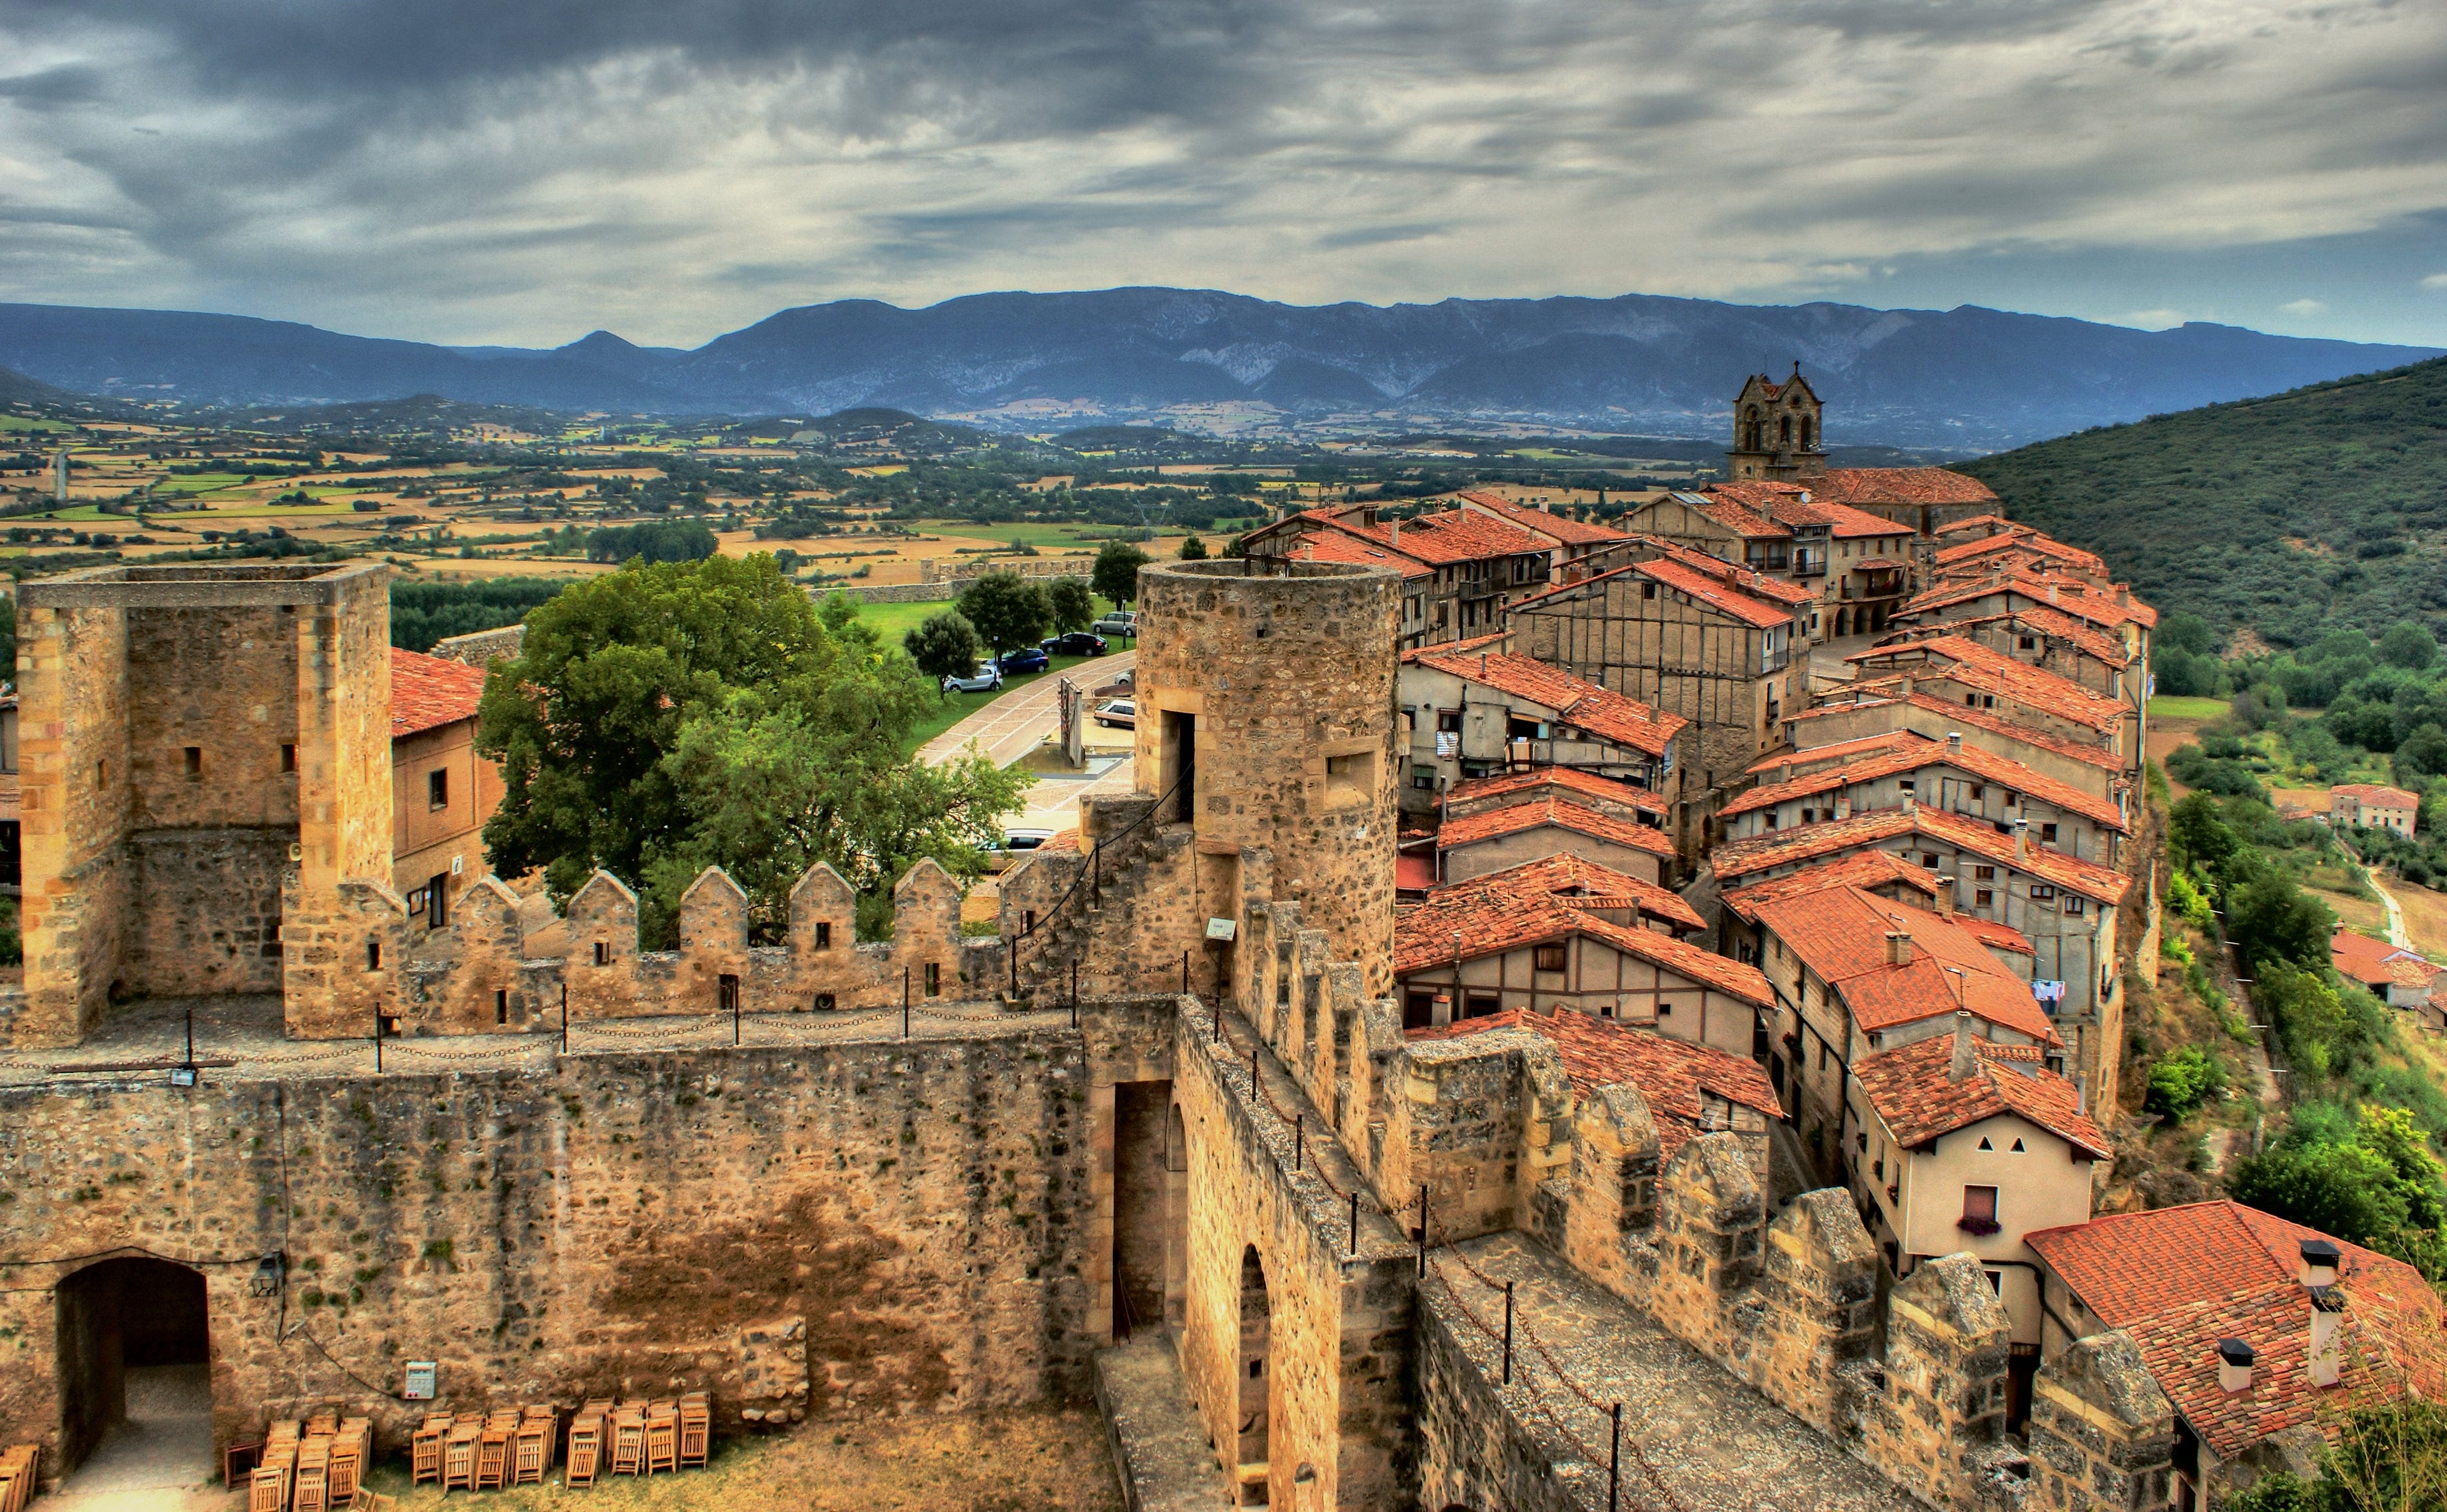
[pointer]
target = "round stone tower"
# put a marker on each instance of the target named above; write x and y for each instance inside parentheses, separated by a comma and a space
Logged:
(1266, 703)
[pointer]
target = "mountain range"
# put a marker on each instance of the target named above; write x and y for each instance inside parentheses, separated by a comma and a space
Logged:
(1968, 380)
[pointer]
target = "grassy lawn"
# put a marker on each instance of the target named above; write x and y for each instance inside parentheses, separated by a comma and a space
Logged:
(892, 621)
(960, 705)
(2170, 707)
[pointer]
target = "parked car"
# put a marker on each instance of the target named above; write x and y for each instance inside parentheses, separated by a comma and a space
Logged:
(1120, 622)
(1026, 659)
(1121, 713)
(985, 679)
(1013, 845)
(1075, 643)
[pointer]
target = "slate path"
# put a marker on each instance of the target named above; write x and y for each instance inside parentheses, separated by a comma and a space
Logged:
(1714, 1443)
(1160, 1449)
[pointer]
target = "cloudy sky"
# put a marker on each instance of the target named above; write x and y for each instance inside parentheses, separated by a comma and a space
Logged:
(522, 171)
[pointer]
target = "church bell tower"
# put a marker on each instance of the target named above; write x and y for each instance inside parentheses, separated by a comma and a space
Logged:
(1776, 432)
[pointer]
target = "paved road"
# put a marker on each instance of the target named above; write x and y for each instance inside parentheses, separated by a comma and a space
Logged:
(2396, 935)
(1017, 722)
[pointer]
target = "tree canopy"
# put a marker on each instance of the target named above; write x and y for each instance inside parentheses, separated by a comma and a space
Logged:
(1007, 610)
(673, 716)
(944, 645)
(654, 539)
(1116, 574)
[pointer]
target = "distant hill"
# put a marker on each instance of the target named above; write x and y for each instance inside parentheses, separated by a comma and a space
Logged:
(2310, 510)
(1960, 381)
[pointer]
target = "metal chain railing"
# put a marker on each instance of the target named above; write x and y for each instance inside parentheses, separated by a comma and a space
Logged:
(1093, 872)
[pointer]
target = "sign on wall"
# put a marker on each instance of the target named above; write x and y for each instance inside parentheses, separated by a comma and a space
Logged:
(420, 1384)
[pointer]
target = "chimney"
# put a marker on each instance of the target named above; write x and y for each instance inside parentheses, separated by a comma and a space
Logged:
(2022, 840)
(1965, 1064)
(1898, 948)
(2234, 1366)
(2319, 1258)
(1843, 805)
(1945, 898)
(1907, 686)
(2328, 1306)
(2123, 594)
(1367, 515)
(1954, 742)
(1910, 802)
(1395, 527)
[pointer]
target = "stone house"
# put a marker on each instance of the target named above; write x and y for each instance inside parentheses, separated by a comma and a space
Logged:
(1691, 1088)
(1965, 1144)
(1608, 796)
(2015, 548)
(1855, 974)
(2065, 908)
(1682, 632)
(1518, 939)
(442, 791)
(1568, 540)
(1839, 781)
(2109, 608)
(1958, 670)
(1896, 705)
(2371, 806)
(2252, 1332)
(2059, 643)
(2396, 976)
(1478, 712)
(1924, 499)
(1855, 567)
(1474, 563)
(1554, 823)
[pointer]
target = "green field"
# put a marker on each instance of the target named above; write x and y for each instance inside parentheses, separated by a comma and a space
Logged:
(960, 705)
(892, 621)
(30, 423)
(2173, 707)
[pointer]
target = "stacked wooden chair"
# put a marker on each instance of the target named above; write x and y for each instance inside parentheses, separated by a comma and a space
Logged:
(424, 1448)
(586, 1448)
(531, 1444)
(459, 1454)
(629, 1437)
(696, 1429)
(17, 1465)
(269, 1489)
(352, 1451)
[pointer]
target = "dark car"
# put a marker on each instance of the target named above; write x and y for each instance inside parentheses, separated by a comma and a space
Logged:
(1075, 643)
(1026, 659)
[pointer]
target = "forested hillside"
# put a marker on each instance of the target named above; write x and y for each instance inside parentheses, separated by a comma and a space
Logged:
(2317, 509)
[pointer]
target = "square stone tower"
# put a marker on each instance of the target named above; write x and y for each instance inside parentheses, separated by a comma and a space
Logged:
(194, 740)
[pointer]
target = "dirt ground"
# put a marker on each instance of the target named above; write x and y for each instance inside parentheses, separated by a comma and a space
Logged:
(1004, 1461)
(2425, 917)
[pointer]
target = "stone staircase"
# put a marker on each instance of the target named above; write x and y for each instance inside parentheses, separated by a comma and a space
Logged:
(1108, 879)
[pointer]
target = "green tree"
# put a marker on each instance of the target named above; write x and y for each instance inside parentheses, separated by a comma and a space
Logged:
(1116, 575)
(2409, 645)
(1071, 606)
(2186, 631)
(641, 718)
(1192, 549)
(2422, 756)
(2198, 832)
(655, 540)
(2271, 919)
(2340, 1189)
(1007, 610)
(944, 645)
(2182, 1080)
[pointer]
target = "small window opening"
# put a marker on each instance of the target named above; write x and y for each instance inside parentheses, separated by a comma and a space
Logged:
(824, 935)
(602, 952)
(1549, 958)
(1984, 1145)
(2017, 1149)
(934, 979)
(373, 955)
(824, 1002)
(195, 755)
(288, 757)
(437, 788)
(500, 1006)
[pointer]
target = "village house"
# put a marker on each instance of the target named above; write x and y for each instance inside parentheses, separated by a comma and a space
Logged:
(2396, 976)
(1553, 824)
(1476, 711)
(1512, 940)
(1839, 722)
(1963, 1143)
(2015, 549)
(2065, 908)
(1876, 772)
(1854, 973)
(1568, 540)
(1690, 1088)
(1855, 567)
(2111, 609)
(1472, 564)
(1958, 670)
(1924, 499)
(1688, 635)
(2053, 642)
(2254, 1330)
(1608, 796)
(2369, 807)
(442, 791)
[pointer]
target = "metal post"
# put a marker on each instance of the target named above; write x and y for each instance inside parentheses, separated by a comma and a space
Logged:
(1256, 1091)
(1185, 971)
(1614, 1469)
(1299, 1141)
(1507, 1333)
(191, 1039)
(1219, 1021)
(564, 1020)
(1355, 1223)
(904, 1002)
(734, 1018)
(1423, 1228)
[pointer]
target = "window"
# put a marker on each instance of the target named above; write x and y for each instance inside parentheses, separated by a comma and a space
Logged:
(1350, 778)
(1928, 859)
(2017, 1149)
(1648, 590)
(500, 1006)
(2072, 906)
(2027, 642)
(102, 773)
(1548, 958)
(288, 757)
(602, 952)
(1809, 816)
(1979, 1210)
(933, 979)
(2042, 893)
(1822, 1055)
(824, 1002)
(1979, 793)
(1478, 1005)
(1997, 1282)
(1984, 1145)
(373, 955)
(437, 788)
(1448, 721)
(1983, 874)
(1983, 898)
(2047, 833)
(825, 932)
(195, 755)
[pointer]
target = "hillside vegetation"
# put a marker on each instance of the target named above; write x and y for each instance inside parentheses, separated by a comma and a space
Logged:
(2290, 516)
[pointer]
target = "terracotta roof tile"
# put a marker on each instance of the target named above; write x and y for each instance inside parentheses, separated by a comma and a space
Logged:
(1470, 922)
(1981, 523)
(428, 693)
(1742, 580)
(1492, 641)
(2371, 962)
(1718, 595)
(1889, 691)
(1840, 933)
(2022, 539)
(1576, 881)
(2074, 595)
(1453, 536)
(1540, 522)
(1995, 671)
(2376, 796)
(1590, 783)
(1600, 710)
(1984, 767)
(1997, 936)
(1340, 546)
(1734, 512)
(1669, 1073)
(1914, 1092)
(2180, 1279)
(1782, 505)
(1902, 485)
(1867, 870)
(1557, 810)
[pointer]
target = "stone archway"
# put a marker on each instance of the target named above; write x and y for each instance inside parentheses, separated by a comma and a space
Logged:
(1256, 1377)
(135, 1374)
(1176, 1221)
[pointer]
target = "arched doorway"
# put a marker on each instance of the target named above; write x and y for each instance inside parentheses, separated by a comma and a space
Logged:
(135, 1374)
(1255, 1379)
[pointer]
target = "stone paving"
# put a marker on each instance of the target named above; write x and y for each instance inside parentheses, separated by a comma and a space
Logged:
(240, 1038)
(1714, 1442)
(1017, 723)
(1160, 1449)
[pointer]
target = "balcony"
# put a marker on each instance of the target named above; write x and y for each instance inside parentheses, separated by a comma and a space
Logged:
(1977, 1226)
(1808, 565)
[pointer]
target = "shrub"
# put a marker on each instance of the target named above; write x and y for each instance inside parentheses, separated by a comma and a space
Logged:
(2182, 1081)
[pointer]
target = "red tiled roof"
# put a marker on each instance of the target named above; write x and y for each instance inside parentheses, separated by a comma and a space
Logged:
(1576, 881)
(1544, 522)
(2369, 962)
(2023, 540)
(1780, 506)
(1836, 753)
(1559, 811)
(1902, 485)
(1473, 789)
(1451, 536)
(2376, 796)
(1985, 767)
(1414, 873)
(2099, 884)
(1869, 870)
(1890, 687)
(1669, 1073)
(2074, 595)
(1733, 510)
(1914, 1092)
(1734, 859)
(1337, 546)
(1996, 673)
(1983, 522)
(1467, 922)
(1840, 933)
(1600, 710)
(1997, 936)
(1720, 596)
(428, 693)
(1742, 580)
(1492, 641)
(2180, 1279)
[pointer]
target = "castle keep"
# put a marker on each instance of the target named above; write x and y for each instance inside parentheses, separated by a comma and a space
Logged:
(1166, 1124)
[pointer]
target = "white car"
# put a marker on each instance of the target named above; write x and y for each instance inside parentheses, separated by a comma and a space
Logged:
(985, 679)
(1120, 622)
(1015, 844)
(1121, 713)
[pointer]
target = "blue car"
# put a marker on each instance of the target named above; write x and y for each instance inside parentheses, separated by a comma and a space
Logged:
(1027, 659)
